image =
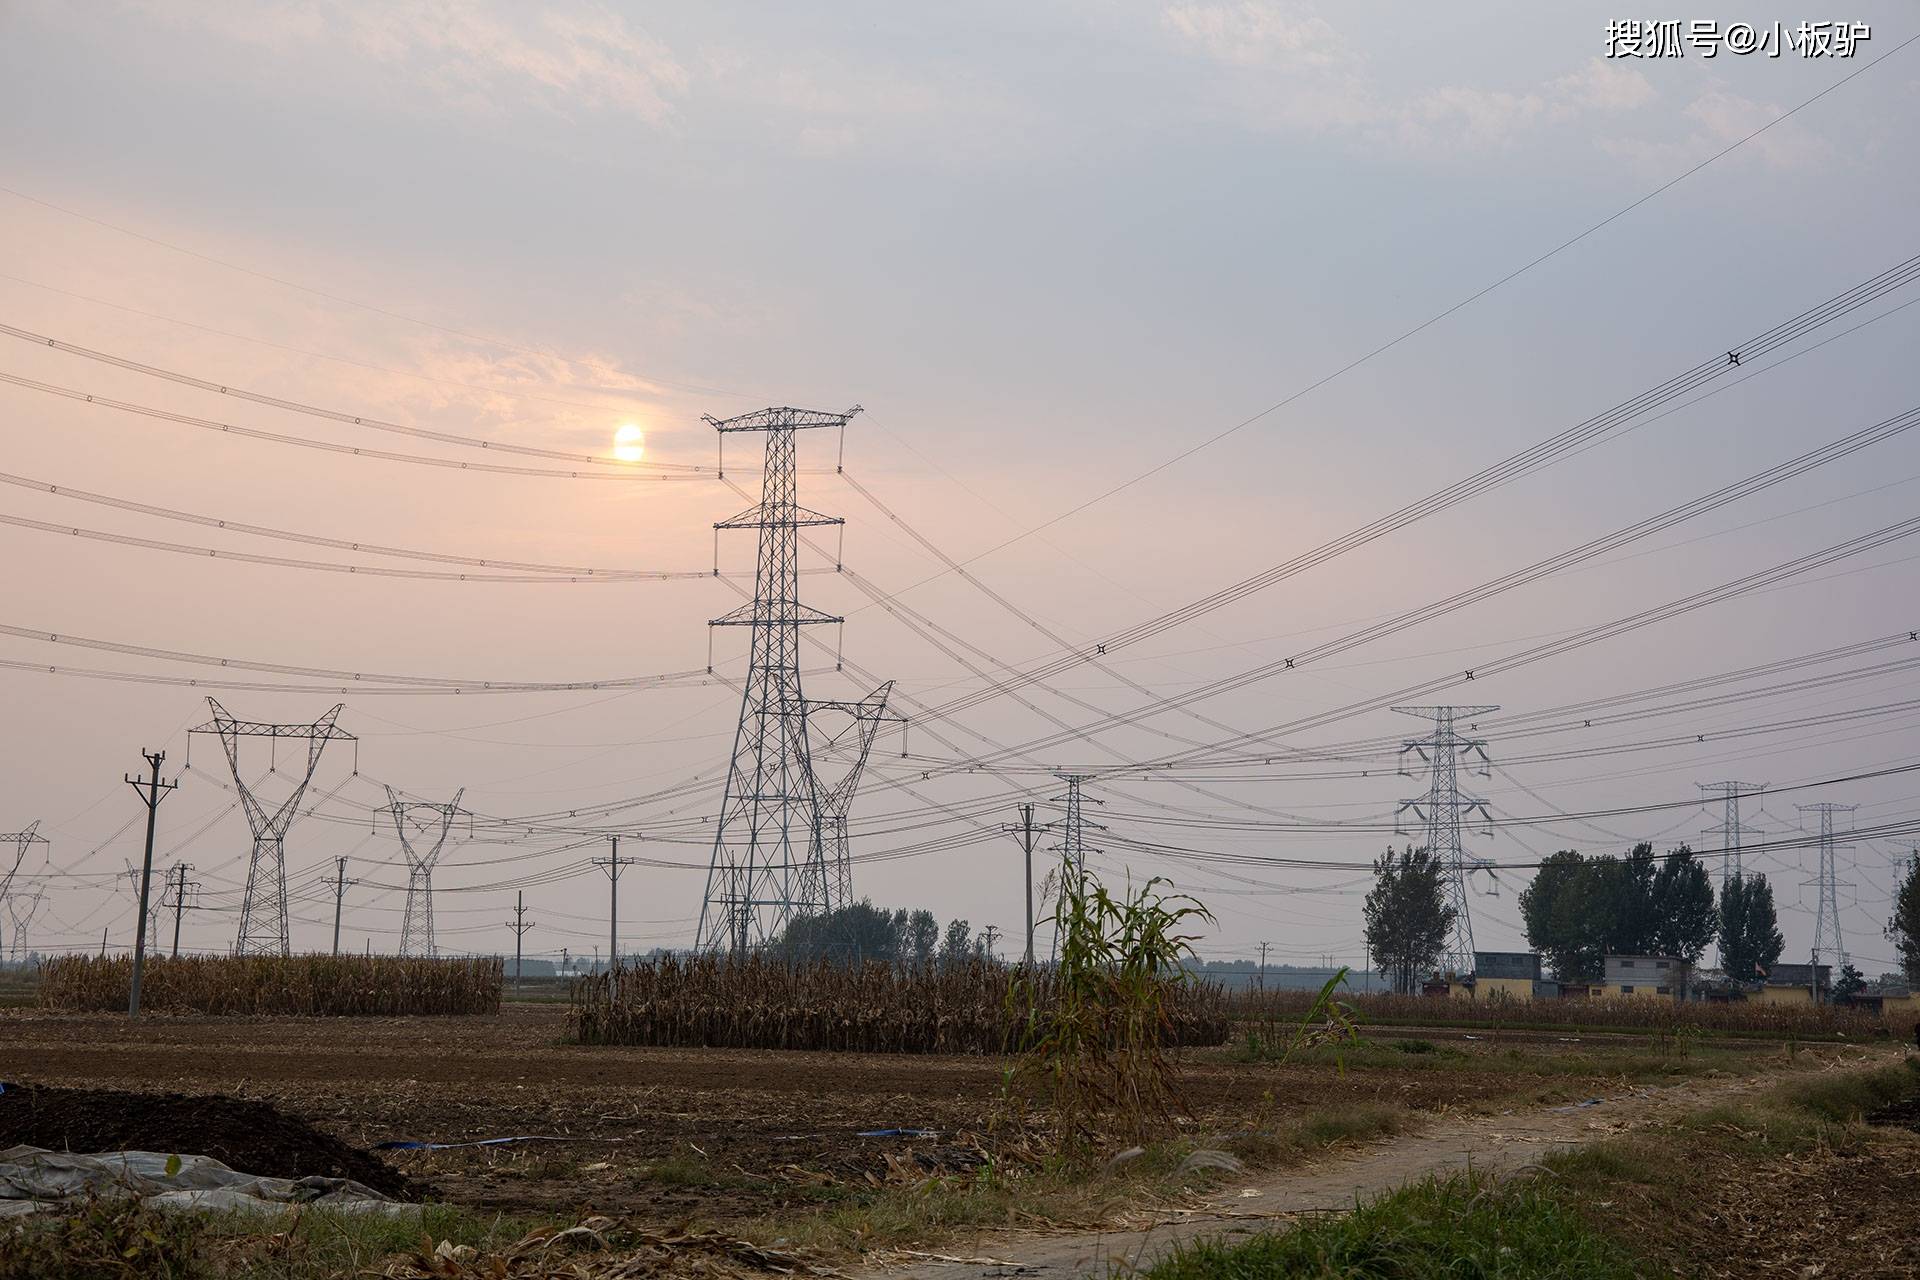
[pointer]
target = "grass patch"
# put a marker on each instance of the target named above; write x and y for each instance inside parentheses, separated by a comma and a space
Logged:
(123, 1240)
(1642, 1205)
(1440, 1229)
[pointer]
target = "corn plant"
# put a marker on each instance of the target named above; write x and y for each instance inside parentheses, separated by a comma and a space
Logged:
(1097, 1027)
(298, 986)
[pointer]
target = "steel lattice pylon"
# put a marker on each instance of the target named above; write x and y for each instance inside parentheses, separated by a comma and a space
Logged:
(769, 818)
(1826, 921)
(1442, 809)
(1731, 830)
(829, 874)
(1073, 847)
(263, 908)
(422, 828)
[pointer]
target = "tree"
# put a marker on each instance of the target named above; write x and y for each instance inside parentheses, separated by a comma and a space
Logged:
(1631, 904)
(1407, 915)
(1904, 928)
(1750, 939)
(922, 937)
(854, 934)
(1568, 911)
(1684, 917)
(1851, 984)
(958, 942)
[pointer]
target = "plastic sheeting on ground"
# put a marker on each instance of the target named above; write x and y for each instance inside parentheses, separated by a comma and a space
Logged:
(33, 1180)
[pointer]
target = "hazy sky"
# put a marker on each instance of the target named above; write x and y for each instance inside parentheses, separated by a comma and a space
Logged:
(1049, 248)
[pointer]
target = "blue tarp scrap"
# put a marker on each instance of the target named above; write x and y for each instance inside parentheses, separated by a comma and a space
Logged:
(411, 1145)
(900, 1133)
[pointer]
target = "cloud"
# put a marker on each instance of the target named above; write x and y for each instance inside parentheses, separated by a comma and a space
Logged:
(1255, 33)
(1291, 69)
(1719, 118)
(475, 55)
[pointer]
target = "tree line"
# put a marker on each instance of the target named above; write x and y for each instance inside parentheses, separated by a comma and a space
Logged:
(1581, 908)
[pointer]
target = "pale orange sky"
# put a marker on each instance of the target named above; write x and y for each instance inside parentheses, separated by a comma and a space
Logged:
(1048, 249)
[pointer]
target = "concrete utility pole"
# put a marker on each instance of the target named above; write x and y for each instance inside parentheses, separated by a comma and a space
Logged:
(519, 924)
(179, 888)
(1263, 964)
(612, 865)
(151, 791)
(1026, 833)
(339, 896)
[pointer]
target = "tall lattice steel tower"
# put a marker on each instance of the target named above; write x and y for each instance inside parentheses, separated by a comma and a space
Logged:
(1073, 847)
(1444, 810)
(769, 818)
(1730, 830)
(263, 908)
(1826, 921)
(829, 875)
(422, 828)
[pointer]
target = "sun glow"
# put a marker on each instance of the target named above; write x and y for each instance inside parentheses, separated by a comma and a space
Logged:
(629, 443)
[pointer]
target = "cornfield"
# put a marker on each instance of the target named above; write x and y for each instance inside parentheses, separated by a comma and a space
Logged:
(1623, 1012)
(296, 986)
(763, 1003)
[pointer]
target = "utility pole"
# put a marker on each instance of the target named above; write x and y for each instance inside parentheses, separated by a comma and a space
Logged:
(612, 866)
(339, 897)
(1442, 809)
(178, 887)
(1263, 964)
(1026, 833)
(768, 837)
(519, 924)
(151, 791)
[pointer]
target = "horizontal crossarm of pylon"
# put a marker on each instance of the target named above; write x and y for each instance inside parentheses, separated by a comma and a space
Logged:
(771, 613)
(755, 517)
(774, 419)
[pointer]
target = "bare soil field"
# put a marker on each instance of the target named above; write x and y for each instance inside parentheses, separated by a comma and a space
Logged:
(656, 1133)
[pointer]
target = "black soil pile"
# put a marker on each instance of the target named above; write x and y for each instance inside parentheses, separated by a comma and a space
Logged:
(253, 1137)
(1904, 1114)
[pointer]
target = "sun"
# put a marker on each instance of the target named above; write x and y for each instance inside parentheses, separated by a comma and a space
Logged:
(629, 443)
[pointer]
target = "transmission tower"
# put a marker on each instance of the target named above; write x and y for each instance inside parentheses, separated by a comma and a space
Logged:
(1731, 830)
(21, 910)
(769, 819)
(21, 842)
(422, 828)
(1443, 810)
(263, 908)
(1826, 922)
(1073, 847)
(829, 874)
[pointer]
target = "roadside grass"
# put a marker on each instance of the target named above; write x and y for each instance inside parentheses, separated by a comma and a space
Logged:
(1439, 1229)
(1639, 1205)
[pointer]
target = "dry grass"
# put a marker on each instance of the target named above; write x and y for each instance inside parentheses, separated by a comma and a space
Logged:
(1627, 1013)
(762, 1003)
(288, 986)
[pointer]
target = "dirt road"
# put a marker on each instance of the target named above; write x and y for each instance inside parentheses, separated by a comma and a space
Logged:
(1502, 1143)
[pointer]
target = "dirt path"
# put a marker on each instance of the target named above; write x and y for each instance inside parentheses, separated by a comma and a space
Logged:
(1503, 1144)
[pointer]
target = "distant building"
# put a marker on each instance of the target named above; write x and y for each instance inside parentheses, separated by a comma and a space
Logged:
(1511, 975)
(1650, 976)
(1796, 984)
